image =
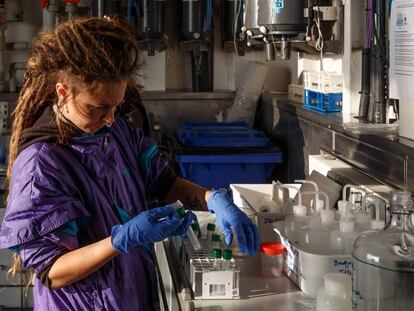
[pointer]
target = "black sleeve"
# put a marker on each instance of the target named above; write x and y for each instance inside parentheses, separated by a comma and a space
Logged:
(164, 183)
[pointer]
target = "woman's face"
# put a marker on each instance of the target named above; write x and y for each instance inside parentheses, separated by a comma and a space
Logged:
(91, 111)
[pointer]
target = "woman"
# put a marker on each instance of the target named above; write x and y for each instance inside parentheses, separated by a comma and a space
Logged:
(80, 177)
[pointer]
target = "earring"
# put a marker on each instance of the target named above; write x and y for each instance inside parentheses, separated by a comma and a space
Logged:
(61, 104)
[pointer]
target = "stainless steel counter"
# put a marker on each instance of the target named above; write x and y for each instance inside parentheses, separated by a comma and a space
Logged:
(256, 293)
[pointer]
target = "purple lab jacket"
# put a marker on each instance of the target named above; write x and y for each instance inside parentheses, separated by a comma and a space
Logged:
(63, 197)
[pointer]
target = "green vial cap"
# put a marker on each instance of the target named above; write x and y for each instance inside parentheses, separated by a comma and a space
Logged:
(217, 253)
(195, 226)
(227, 254)
(181, 212)
(215, 238)
(211, 227)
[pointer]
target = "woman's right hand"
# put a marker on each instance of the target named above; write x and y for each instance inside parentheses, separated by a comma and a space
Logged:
(149, 227)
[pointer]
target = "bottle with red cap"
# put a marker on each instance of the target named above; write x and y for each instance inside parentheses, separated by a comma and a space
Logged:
(272, 259)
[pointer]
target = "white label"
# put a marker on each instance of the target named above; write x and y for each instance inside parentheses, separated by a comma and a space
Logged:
(402, 50)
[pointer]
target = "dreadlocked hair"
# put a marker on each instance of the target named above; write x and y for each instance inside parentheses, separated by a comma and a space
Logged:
(84, 52)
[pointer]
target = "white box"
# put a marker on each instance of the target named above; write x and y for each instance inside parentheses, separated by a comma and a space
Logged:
(296, 93)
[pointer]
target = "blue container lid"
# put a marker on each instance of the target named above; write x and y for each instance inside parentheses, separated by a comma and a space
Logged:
(229, 135)
(273, 157)
(207, 123)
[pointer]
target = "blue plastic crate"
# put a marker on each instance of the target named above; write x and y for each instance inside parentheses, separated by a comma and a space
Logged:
(331, 102)
(220, 134)
(214, 155)
(219, 171)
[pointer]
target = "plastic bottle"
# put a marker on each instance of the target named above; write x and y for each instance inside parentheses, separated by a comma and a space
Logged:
(227, 256)
(335, 294)
(217, 253)
(216, 289)
(196, 229)
(377, 223)
(314, 238)
(362, 217)
(383, 262)
(190, 233)
(358, 192)
(210, 230)
(272, 259)
(294, 222)
(342, 239)
(316, 203)
(215, 241)
(328, 217)
(344, 202)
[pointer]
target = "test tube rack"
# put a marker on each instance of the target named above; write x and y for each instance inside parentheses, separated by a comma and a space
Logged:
(208, 282)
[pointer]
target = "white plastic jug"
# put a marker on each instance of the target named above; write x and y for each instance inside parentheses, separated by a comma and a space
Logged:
(296, 221)
(314, 238)
(342, 239)
(335, 294)
(316, 203)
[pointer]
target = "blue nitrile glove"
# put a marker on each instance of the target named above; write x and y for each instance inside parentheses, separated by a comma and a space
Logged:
(229, 215)
(149, 227)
